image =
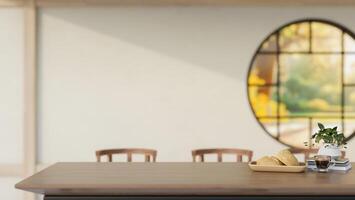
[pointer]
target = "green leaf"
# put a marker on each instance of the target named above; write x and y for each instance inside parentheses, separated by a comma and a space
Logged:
(318, 138)
(321, 126)
(334, 131)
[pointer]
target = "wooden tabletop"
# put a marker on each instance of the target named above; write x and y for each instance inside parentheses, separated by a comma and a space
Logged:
(182, 179)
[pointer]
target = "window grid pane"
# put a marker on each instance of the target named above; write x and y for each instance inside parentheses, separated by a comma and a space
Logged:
(322, 54)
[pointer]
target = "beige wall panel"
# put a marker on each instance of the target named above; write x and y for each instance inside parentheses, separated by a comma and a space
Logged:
(11, 85)
(170, 78)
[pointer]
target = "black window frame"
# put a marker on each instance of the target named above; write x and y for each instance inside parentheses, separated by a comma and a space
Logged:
(342, 117)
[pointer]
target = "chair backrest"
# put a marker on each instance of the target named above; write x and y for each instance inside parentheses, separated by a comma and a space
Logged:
(150, 155)
(308, 152)
(239, 153)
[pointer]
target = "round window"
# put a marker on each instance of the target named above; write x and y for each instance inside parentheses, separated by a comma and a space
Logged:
(301, 74)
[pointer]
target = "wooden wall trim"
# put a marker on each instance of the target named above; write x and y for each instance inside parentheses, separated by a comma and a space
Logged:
(13, 170)
(49, 3)
(30, 86)
(30, 90)
(80, 3)
(11, 3)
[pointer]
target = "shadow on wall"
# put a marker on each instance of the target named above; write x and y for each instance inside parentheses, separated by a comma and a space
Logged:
(217, 39)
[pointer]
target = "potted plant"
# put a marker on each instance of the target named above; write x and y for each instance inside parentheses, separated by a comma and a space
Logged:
(331, 141)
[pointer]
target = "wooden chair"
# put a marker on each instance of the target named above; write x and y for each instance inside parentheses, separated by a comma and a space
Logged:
(308, 152)
(149, 154)
(220, 151)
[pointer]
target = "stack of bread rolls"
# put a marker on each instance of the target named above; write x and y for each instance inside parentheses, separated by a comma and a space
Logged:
(284, 157)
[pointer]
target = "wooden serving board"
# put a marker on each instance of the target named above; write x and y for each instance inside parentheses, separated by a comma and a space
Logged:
(281, 168)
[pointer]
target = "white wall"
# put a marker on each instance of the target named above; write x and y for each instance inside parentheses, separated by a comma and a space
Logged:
(169, 78)
(7, 188)
(11, 85)
(11, 96)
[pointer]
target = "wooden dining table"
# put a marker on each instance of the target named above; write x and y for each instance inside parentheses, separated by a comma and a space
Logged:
(183, 181)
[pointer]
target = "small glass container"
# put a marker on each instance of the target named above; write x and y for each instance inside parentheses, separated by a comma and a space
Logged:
(323, 162)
